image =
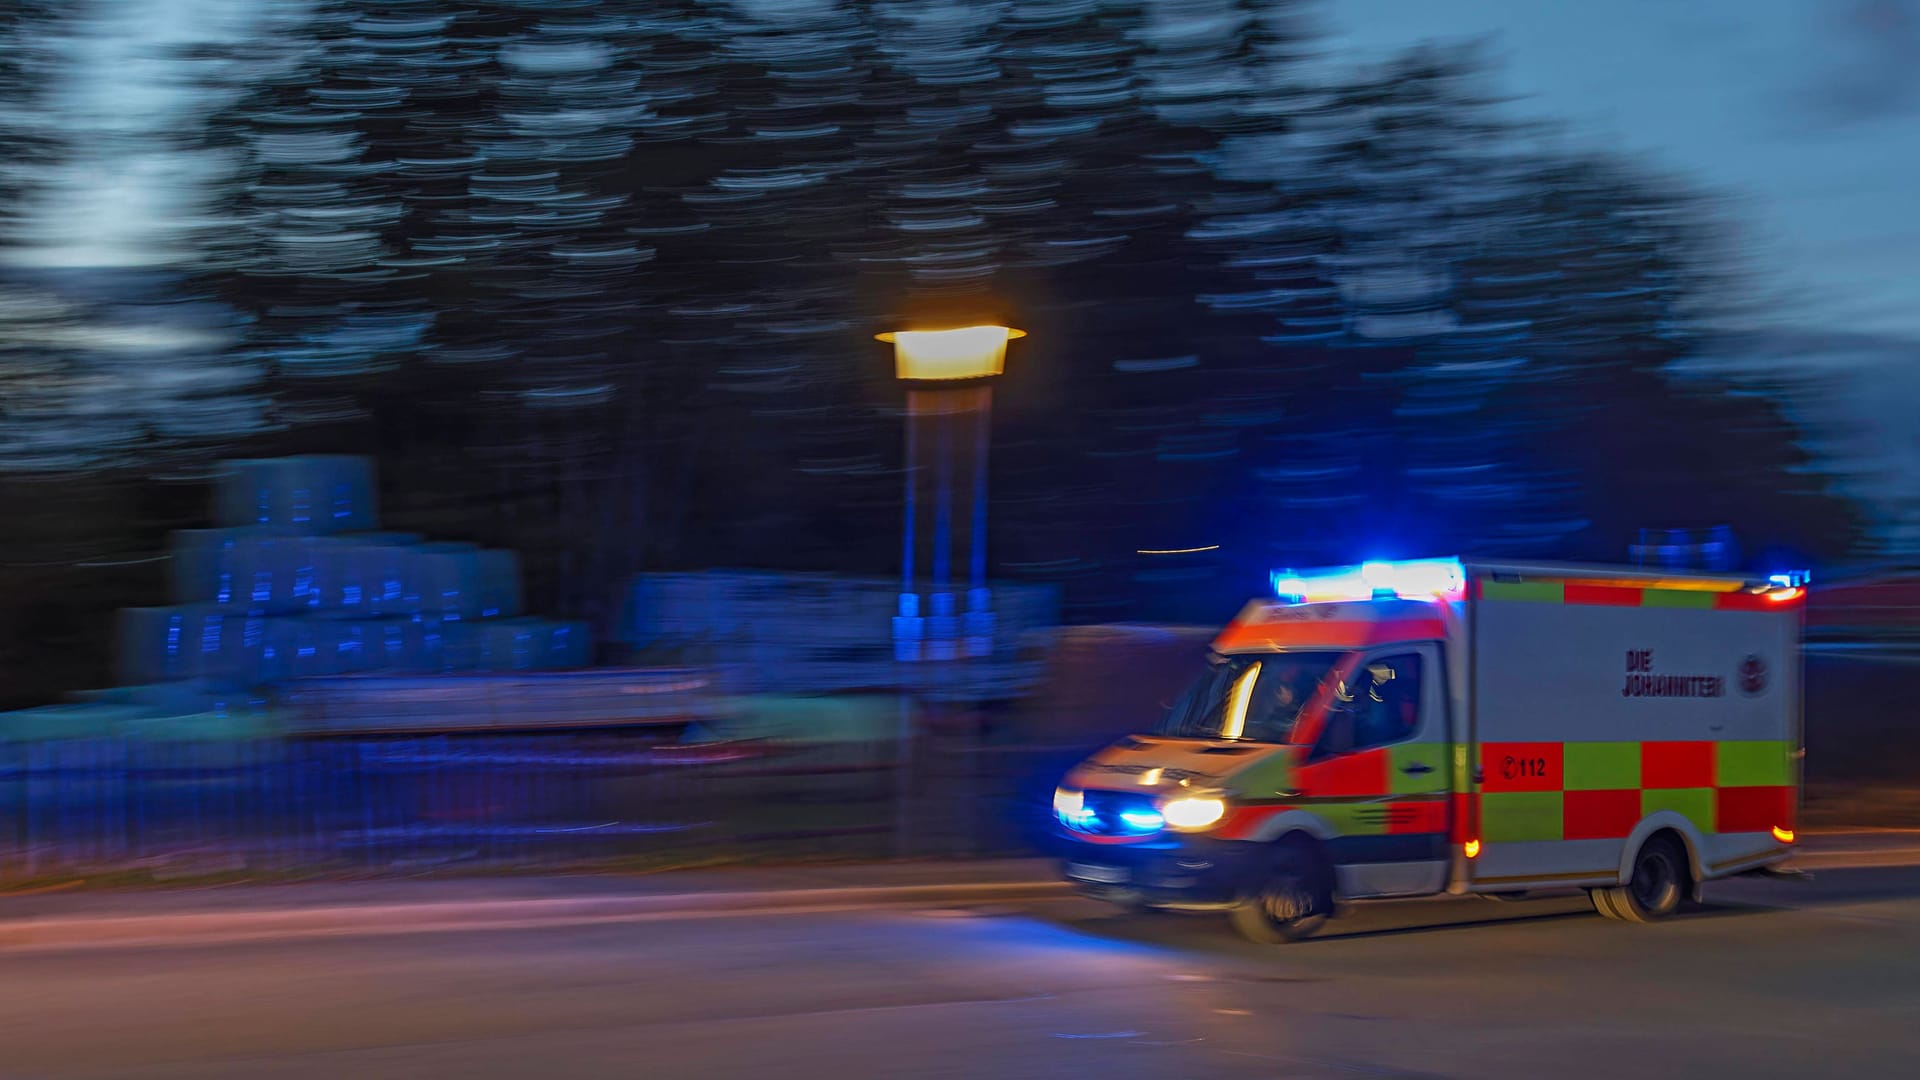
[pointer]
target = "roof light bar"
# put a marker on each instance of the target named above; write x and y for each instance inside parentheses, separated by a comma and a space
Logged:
(1411, 579)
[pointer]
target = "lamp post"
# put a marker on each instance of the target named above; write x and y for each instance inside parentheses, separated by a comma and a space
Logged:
(949, 408)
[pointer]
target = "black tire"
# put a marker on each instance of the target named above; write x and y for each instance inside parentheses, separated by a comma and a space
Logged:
(1659, 884)
(1292, 901)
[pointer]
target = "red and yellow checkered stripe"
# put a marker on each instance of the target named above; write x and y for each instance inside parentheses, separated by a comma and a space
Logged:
(1602, 790)
(1542, 790)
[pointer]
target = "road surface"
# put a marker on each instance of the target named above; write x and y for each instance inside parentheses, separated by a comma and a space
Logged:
(1772, 979)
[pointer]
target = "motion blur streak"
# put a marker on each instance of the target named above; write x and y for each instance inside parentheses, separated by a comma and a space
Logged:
(449, 436)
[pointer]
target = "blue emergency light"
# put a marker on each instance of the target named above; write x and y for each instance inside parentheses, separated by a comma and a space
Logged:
(1409, 579)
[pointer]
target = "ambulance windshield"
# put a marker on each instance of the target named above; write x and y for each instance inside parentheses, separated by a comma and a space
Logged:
(1250, 697)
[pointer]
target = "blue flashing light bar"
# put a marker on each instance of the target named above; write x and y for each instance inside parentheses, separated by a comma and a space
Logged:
(1410, 579)
(1791, 579)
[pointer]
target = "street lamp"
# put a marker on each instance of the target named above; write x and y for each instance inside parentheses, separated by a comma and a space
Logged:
(949, 406)
(968, 352)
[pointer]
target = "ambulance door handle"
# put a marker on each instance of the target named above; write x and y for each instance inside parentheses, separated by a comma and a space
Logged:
(1415, 768)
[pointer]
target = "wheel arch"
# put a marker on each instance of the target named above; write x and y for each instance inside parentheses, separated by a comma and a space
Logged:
(1309, 832)
(1692, 842)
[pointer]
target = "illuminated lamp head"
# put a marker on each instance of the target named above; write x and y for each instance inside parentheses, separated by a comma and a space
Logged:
(966, 352)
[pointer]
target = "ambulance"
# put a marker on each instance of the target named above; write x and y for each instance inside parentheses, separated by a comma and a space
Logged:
(1440, 726)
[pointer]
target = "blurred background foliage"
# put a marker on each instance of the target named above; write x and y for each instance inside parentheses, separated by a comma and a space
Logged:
(598, 282)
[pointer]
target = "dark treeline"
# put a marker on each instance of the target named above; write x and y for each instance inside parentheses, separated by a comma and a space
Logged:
(598, 281)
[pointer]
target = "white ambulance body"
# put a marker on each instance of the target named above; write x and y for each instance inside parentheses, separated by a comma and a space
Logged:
(1404, 729)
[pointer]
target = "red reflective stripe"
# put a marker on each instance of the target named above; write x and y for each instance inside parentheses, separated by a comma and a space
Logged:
(1365, 773)
(1243, 822)
(1332, 634)
(1746, 601)
(1394, 630)
(1090, 838)
(1460, 813)
(1608, 595)
(1752, 809)
(1523, 766)
(1600, 815)
(1418, 815)
(1676, 765)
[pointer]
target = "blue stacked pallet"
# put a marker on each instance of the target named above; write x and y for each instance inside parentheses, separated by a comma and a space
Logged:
(294, 582)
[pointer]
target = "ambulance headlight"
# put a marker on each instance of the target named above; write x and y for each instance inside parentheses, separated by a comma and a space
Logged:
(1192, 812)
(1070, 806)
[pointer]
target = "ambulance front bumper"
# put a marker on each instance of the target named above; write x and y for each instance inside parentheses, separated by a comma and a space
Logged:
(1168, 871)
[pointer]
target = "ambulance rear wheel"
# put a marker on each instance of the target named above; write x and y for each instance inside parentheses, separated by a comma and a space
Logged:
(1292, 902)
(1658, 885)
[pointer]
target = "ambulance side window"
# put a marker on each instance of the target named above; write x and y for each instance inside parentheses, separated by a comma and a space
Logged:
(1378, 706)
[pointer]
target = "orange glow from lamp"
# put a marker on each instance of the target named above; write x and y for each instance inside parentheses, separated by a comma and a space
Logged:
(1785, 836)
(967, 352)
(1471, 849)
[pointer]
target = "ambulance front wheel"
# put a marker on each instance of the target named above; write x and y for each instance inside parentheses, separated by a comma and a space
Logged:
(1290, 902)
(1658, 885)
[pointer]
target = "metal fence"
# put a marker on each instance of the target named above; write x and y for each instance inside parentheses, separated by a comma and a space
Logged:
(525, 801)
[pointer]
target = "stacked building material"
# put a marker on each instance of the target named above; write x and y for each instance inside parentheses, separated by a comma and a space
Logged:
(293, 583)
(778, 633)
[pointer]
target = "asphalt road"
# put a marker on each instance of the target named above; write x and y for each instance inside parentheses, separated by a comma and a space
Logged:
(1772, 979)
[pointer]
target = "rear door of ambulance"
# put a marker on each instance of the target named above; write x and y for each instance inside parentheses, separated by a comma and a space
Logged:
(1600, 711)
